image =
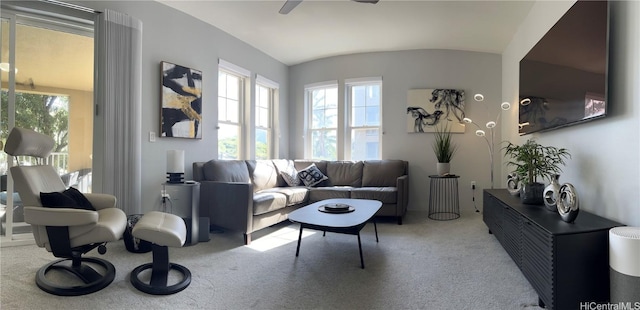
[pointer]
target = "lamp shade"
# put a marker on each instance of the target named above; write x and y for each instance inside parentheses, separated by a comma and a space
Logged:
(175, 161)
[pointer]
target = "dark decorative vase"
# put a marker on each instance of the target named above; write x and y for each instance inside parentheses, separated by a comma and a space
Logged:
(531, 194)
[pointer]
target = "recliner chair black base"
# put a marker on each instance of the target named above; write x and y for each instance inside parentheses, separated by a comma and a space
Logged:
(160, 268)
(94, 281)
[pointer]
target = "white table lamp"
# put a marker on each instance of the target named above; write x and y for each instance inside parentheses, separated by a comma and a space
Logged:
(175, 166)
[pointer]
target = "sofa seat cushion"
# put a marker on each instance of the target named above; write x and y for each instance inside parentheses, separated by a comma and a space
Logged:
(386, 195)
(322, 193)
(295, 195)
(265, 202)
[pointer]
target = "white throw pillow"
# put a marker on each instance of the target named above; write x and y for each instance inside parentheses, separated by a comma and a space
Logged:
(311, 175)
(290, 175)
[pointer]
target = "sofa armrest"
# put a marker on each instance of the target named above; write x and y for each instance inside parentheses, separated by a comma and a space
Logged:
(402, 184)
(59, 216)
(227, 204)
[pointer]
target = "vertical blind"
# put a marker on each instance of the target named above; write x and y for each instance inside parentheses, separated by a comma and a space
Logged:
(118, 99)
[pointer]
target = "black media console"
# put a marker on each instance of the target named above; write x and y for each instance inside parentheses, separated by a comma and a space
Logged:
(566, 263)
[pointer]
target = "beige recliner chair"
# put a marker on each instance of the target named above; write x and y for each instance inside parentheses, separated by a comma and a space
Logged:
(67, 232)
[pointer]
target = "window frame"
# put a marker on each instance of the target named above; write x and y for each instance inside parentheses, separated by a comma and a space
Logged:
(243, 93)
(273, 93)
(309, 132)
(349, 126)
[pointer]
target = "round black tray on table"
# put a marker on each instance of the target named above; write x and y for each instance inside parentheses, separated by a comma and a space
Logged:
(336, 208)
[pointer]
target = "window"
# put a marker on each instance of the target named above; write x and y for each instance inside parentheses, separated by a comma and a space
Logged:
(349, 129)
(322, 135)
(231, 100)
(50, 91)
(364, 105)
(266, 94)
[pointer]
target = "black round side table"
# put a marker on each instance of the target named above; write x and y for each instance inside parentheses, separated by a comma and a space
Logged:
(444, 203)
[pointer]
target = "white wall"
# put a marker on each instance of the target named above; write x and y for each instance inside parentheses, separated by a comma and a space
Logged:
(605, 167)
(401, 71)
(605, 164)
(170, 35)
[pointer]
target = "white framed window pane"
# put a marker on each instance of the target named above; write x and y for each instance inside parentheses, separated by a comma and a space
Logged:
(263, 97)
(228, 141)
(222, 109)
(372, 116)
(331, 118)
(358, 96)
(324, 144)
(262, 118)
(358, 116)
(317, 119)
(262, 143)
(365, 144)
(233, 111)
(373, 95)
(318, 99)
(332, 97)
(233, 87)
(222, 84)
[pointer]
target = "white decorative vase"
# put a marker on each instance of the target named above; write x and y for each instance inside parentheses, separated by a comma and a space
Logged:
(443, 168)
(551, 192)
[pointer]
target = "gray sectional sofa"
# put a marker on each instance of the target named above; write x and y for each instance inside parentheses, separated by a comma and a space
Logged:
(248, 195)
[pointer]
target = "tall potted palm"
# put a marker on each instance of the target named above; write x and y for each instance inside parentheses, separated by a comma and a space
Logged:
(531, 161)
(444, 148)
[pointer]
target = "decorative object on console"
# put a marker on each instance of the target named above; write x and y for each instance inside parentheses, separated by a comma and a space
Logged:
(427, 108)
(513, 184)
(491, 125)
(181, 114)
(175, 166)
(532, 160)
(568, 203)
(551, 192)
(444, 149)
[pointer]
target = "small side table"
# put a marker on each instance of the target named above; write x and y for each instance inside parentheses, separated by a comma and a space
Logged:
(444, 203)
(184, 201)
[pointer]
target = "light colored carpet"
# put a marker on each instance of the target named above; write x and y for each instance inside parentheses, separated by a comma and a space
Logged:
(422, 264)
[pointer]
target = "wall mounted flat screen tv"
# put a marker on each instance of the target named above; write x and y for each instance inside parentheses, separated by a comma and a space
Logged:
(563, 79)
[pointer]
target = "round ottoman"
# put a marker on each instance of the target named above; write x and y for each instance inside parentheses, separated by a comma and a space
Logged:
(163, 230)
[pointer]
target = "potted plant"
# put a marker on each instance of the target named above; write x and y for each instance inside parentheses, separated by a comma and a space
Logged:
(531, 161)
(444, 149)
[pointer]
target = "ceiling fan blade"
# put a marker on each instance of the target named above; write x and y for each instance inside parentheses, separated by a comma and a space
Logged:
(366, 1)
(288, 6)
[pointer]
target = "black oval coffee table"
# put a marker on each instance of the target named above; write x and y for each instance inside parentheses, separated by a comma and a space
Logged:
(339, 222)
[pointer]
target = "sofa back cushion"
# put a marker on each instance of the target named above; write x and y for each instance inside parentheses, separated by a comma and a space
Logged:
(226, 171)
(345, 173)
(263, 174)
(382, 172)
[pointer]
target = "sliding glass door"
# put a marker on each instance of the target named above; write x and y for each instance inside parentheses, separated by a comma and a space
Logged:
(46, 67)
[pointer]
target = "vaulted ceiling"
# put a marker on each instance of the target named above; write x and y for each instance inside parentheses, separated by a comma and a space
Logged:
(322, 28)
